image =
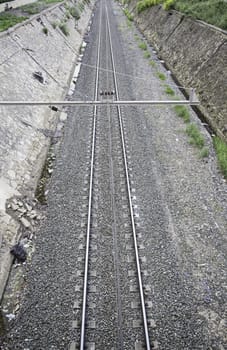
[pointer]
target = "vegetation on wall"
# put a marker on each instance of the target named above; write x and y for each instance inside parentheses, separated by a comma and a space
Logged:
(210, 11)
(12, 17)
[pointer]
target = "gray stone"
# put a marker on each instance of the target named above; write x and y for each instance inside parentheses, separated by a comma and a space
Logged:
(14, 207)
(25, 222)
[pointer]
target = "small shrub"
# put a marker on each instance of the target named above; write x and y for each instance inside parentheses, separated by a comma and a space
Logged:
(204, 152)
(196, 138)
(183, 113)
(161, 76)
(74, 13)
(221, 151)
(64, 29)
(169, 91)
(142, 45)
(45, 30)
(146, 54)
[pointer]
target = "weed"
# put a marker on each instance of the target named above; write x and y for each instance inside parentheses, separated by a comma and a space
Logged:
(129, 23)
(136, 36)
(204, 152)
(45, 30)
(152, 63)
(168, 4)
(64, 29)
(128, 15)
(54, 24)
(183, 113)
(146, 54)
(169, 91)
(81, 6)
(221, 151)
(196, 138)
(8, 20)
(67, 14)
(161, 76)
(142, 45)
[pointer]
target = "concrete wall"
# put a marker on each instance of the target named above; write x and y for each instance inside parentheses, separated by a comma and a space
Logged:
(195, 52)
(23, 130)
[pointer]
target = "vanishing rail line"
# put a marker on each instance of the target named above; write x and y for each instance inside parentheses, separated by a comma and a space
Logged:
(83, 318)
(104, 9)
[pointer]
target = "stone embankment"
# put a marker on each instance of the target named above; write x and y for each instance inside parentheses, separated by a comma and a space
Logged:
(35, 64)
(195, 52)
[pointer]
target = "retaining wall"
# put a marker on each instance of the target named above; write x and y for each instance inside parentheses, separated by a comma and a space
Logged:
(24, 131)
(195, 52)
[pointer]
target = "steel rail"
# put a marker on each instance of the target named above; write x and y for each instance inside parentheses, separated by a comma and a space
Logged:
(85, 285)
(98, 103)
(145, 323)
(115, 239)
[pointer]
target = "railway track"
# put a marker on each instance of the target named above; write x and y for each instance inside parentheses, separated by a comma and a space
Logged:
(115, 316)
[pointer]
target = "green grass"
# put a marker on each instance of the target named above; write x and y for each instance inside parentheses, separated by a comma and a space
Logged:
(8, 20)
(146, 54)
(142, 45)
(169, 91)
(144, 4)
(196, 138)
(50, 1)
(168, 4)
(64, 29)
(32, 9)
(128, 15)
(161, 76)
(221, 151)
(182, 112)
